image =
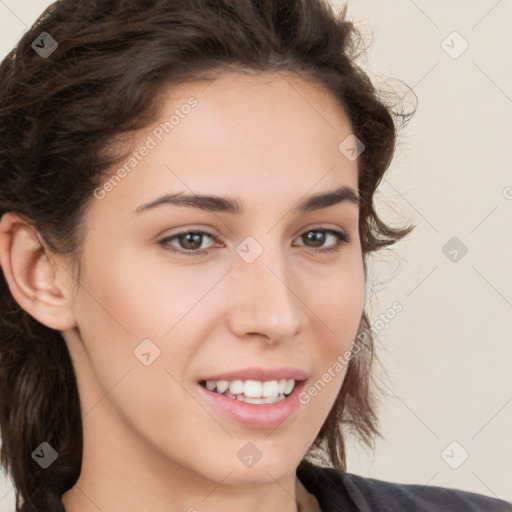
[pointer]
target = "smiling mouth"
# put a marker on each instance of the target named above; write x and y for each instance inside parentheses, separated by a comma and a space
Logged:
(251, 391)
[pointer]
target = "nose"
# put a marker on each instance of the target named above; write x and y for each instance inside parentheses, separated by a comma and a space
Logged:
(265, 297)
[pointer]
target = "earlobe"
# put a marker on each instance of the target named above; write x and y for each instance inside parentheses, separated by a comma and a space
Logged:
(38, 284)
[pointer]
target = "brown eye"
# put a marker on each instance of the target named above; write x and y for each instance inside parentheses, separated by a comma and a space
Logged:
(319, 238)
(189, 242)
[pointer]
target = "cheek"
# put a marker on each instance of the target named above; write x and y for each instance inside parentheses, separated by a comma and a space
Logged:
(119, 306)
(135, 297)
(130, 300)
(341, 301)
(124, 311)
(339, 308)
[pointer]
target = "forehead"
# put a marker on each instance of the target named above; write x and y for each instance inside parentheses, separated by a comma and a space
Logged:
(271, 107)
(255, 136)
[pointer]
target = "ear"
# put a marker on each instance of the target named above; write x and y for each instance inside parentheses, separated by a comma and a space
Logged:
(40, 283)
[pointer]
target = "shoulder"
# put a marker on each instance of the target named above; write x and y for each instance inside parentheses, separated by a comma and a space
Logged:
(371, 494)
(334, 488)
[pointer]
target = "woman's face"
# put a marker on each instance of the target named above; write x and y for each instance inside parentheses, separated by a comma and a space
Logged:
(155, 316)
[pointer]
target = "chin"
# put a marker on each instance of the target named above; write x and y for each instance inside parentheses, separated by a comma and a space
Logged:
(260, 475)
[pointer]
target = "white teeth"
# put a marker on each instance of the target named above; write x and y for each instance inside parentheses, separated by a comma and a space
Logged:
(242, 398)
(222, 385)
(270, 389)
(289, 386)
(253, 389)
(236, 387)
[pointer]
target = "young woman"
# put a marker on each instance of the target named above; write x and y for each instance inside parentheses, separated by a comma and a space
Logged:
(186, 202)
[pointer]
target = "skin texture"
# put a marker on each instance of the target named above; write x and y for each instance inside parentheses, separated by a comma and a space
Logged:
(150, 441)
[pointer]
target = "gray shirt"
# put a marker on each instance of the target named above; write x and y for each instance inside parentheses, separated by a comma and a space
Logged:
(336, 491)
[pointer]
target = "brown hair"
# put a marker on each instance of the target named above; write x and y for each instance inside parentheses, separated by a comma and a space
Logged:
(57, 117)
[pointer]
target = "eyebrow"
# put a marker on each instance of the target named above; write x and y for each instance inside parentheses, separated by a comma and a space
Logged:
(232, 206)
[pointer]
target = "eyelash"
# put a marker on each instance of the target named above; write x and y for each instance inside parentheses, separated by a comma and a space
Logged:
(342, 239)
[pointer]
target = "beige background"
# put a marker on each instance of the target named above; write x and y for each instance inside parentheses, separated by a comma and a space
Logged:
(448, 353)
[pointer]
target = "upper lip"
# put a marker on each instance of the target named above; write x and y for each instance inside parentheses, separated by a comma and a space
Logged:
(262, 374)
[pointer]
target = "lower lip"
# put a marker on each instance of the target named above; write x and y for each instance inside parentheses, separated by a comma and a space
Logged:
(255, 415)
